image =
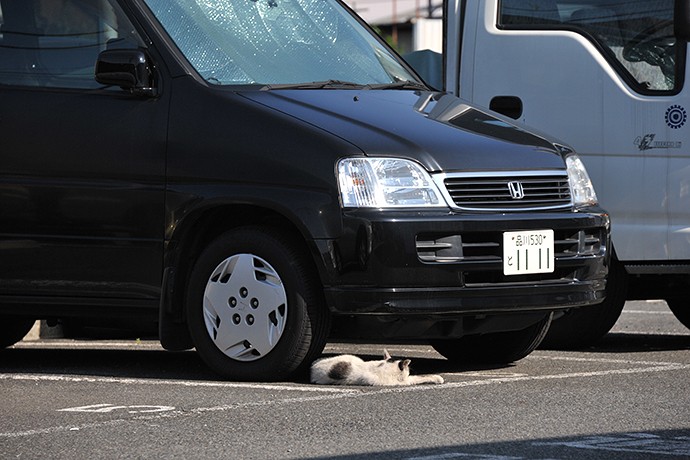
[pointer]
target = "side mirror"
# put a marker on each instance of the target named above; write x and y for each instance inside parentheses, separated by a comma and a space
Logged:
(127, 68)
(681, 20)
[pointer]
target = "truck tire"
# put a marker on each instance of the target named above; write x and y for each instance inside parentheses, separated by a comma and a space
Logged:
(583, 327)
(681, 309)
(255, 309)
(496, 348)
(13, 329)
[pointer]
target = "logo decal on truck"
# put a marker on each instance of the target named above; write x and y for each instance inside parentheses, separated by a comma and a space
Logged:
(647, 142)
(676, 116)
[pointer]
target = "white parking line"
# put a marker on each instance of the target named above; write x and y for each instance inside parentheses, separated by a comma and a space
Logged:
(647, 444)
(490, 378)
(184, 383)
(638, 443)
(657, 334)
(541, 355)
(648, 312)
(327, 393)
(452, 455)
(59, 344)
(663, 367)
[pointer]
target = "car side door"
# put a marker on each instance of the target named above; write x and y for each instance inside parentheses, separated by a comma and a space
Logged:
(82, 168)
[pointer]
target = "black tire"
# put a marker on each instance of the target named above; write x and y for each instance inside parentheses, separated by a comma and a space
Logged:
(681, 309)
(13, 329)
(255, 308)
(496, 348)
(583, 327)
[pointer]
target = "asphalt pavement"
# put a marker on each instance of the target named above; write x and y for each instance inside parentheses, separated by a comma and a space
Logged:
(626, 398)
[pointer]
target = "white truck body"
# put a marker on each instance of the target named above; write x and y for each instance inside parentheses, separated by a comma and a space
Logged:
(609, 78)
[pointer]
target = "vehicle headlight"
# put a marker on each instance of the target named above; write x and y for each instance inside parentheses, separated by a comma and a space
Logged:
(581, 186)
(386, 183)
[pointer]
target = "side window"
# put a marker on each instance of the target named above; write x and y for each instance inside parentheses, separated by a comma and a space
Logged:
(636, 37)
(55, 43)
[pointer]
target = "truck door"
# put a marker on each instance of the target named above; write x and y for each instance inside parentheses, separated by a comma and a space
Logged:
(82, 166)
(607, 78)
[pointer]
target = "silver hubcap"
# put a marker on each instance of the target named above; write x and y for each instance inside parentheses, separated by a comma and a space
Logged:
(245, 307)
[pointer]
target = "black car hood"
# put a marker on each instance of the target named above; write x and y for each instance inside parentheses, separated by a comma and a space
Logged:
(439, 130)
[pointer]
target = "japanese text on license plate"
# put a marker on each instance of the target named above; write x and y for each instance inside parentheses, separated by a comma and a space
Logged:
(529, 251)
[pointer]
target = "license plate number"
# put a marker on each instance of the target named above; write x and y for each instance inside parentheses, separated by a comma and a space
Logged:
(529, 251)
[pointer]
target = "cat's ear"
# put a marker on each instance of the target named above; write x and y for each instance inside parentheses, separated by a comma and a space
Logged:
(404, 364)
(386, 355)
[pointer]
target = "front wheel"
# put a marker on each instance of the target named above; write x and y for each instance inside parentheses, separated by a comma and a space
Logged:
(254, 306)
(13, 329)
(584, 326)
(681, 309)
(495, 348)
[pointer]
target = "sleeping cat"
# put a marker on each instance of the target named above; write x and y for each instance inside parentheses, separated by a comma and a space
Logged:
(351, 370)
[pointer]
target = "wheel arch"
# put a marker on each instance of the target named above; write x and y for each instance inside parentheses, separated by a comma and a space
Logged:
(196, 231)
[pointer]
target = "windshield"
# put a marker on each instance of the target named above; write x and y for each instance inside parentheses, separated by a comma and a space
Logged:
(277, 42)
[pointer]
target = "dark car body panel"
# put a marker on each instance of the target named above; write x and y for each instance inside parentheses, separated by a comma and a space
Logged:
(82, 202)
(434, 129)
(107, 198)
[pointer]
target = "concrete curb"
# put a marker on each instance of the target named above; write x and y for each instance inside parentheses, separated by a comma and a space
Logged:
(35, 332)
(41, 330)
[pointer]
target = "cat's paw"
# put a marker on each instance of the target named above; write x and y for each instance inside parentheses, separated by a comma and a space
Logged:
(430, 379)
(436, 379)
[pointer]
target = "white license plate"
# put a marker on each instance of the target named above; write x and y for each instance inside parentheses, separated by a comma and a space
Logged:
(529, 251)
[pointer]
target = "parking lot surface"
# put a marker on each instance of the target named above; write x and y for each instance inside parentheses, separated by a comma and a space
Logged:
(627, 397)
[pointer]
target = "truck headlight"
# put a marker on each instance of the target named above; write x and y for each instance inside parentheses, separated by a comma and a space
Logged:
(581, 186)
(386, 183)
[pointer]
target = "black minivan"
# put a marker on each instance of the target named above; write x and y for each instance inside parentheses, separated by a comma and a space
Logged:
(263, 175)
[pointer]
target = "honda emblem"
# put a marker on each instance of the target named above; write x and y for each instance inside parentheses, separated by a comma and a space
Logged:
(516, 190)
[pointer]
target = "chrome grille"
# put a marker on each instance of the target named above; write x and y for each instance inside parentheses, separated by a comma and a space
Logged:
(493, 193)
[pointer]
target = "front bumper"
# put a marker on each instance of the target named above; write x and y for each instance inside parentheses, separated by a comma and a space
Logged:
(450, 265)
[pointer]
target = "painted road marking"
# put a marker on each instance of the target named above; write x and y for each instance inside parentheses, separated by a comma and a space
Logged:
(107, 408)
(650, 366)
(648, 312)
(633, 332)
(184, 383)
(636, 443)
(451, 455)
(328, 393)
(639, 443)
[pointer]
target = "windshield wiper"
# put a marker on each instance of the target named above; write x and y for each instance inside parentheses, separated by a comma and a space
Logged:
(406, 84)
(326, 84)
(340, 84)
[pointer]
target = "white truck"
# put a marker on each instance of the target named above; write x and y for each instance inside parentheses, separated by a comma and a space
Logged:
(610, 78)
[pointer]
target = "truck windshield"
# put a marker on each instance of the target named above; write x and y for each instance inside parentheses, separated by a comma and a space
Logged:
(278, 42)
(636, 36)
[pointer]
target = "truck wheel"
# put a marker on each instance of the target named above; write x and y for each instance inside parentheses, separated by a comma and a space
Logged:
(13, 329)
(681, 309)
(496, 348)
(254, 306)
(582, 327)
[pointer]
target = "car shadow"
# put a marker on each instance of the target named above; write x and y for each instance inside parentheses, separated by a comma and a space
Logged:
(120, 363)
(132, 362)
(670, 444)
(160, 364)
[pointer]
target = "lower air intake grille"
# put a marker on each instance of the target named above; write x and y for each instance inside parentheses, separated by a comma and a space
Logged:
(488, 246)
